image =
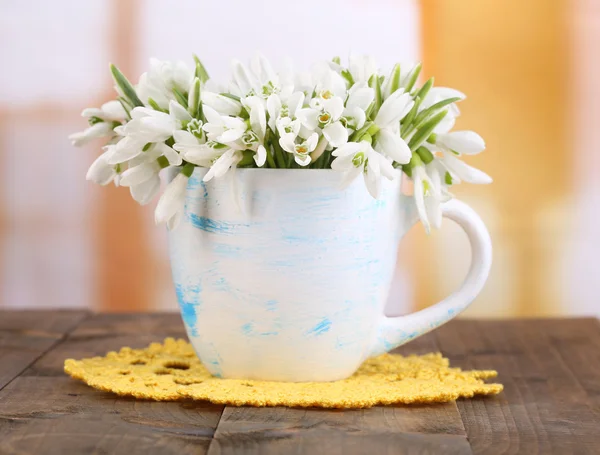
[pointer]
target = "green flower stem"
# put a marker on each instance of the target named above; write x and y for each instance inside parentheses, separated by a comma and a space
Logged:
(188, 169)
(423, 133)
(163, 162)
(125, 86)
(412, 79)
(425, 155)
(248, 158)
(395, 78)
(201, 72)
(375, 83)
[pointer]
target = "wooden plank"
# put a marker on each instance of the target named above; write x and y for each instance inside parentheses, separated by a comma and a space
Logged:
(544, 408)
(431, 429)
(45, 412)
(27, 335)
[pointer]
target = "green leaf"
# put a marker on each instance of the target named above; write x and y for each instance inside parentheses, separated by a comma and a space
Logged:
(230, 96)
(358, 134)
(194, 99)
(407, 121)
(407, 169)
(181, 98)
(423, 91)
(126, 106)
(188, 169)
(346, 75)
(425, 114)
(125, 86)
(423, 133)
(412, 78)
(425, 155)
(201, 72)
(154, 105)
(448, 178)
(375, 83)
(395, 78)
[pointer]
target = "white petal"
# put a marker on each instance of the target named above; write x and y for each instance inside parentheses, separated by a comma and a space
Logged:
(288, 143)
(343, 163)
(222, 104)
(212, 116)
(302, 160)
(335, 106)
(174, 221)
(260, 156)
(467, 142)
(139, 174)
(185, 138)
(361, 98)
(126, 149)
(171, 155)
(465, 172)
(100, 129)
(350, 174)
(172, 200)
(308, 117)
(230, 136)
(242, 78)
(312, 142)
(372, 178)
(295, 102)
(144, 192)
(258, 120)
(336, 134)
(222, 165)
(394, 146)
(100, 171)
(348, 149)
(420, 199)
(274, 108)
(445, 125)
(178, 112)
(393, 109)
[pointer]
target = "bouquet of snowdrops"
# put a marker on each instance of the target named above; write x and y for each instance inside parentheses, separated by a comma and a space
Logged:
(352, 119)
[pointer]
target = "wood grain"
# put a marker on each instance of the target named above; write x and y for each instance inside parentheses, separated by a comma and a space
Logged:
(431, 429)
(25, 336)
(45, 412)
(551, 403)
(544, 408)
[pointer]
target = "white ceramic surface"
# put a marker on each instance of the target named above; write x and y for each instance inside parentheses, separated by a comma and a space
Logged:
(288, 282)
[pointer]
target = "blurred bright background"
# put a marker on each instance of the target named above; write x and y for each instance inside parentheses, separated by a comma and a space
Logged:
(529, 68)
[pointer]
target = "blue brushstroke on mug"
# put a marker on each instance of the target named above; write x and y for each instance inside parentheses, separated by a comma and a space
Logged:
(188, 298)
(321, 328)
(213, 226)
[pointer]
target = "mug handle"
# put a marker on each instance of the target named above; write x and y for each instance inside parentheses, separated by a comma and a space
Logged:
(395, 331)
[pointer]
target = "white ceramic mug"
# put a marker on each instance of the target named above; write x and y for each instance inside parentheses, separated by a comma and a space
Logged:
(282, 276)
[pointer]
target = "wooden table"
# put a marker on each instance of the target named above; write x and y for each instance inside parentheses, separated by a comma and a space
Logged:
(551, 403)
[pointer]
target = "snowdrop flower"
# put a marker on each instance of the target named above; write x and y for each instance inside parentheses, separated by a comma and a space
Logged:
(354, 158)
(148, 127)
(460, 171)
(283, 113)
(254, 137)
(462, 142)
(222, 104)
(360, 96)
(101, 172)
(222, 128)
(102, 122)
(362, 67)
(326, 116)
(143, 179)
(260, 81)
(164, 77)
(427, 196)
(171, 204)
(300, 151)
(387, 121)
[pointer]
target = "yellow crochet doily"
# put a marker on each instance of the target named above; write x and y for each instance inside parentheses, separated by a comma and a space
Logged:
(171, 371)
